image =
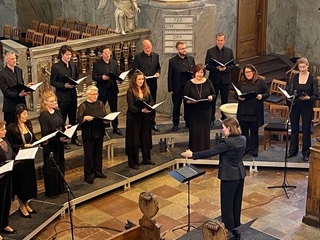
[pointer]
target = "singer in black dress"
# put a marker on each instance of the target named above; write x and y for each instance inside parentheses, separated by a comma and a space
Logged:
(24, 184)
(6, 153)
(306, 87)
(199, 113)
(138, 126)
(93, 131)
(51, 120)
(250, 112)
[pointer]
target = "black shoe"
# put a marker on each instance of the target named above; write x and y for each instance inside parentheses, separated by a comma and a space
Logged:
(24, 216)
(136, 167)
(254, 154)
(66, 146)
(90, 181)
(33, 212)
(117, 131)
(76, 142)
(175, 128)
(155, 128)
(150, 162)
(305, 159)
(100, 175)
(290, 155)
(10, 232)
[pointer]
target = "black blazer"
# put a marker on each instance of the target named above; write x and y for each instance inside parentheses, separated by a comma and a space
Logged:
(59, 70)
(215, 75)
(10, 96)
(99, 69)
(141, 62)
(230, 152)
(174, 73)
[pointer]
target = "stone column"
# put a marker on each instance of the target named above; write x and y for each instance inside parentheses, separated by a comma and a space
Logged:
(204, 30)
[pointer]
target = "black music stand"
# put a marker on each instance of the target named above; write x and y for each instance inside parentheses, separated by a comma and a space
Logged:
(185, 174)
(284, 185)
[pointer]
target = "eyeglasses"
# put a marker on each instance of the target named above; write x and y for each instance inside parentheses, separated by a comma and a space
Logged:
(248, 72)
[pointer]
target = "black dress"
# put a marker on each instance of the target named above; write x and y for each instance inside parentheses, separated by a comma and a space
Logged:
(138, 130)
(53, 181)
(92, 136)
(199, 114)
(5, 186)
(24, 183)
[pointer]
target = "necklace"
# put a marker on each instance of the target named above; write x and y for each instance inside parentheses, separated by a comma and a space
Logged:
(199, 92)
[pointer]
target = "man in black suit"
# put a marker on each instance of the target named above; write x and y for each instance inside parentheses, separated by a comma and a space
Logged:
(10, 76)
(148, 63)
(179, 72)
(66, 92)
(108, 88)
(220, 76)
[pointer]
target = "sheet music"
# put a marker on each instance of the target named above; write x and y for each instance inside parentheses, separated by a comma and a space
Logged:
(70, 131)
(45, 138)
(220, 63)
(154, 106)
(285, 93)
(7, 167)
(237, 90)
(81, 79)
(124, 74)
(35, 86)
(154, 76)
(111, 116)
(194, 100)
(27, 153)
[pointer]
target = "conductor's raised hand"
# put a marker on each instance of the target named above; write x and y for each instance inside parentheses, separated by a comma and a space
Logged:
(187, 154)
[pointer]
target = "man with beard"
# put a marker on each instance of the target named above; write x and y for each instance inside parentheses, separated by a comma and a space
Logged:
(179, 72)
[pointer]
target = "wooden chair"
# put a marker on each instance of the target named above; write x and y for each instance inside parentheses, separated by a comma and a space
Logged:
(81, 26)
(276, 96)
(60, 39)
(91, 28)
(7, 31)
(43, 28)
(74, 35)
(54, 30)
(29, 35)
(101, 30)
(70, 23)
(59, 22)
(16, 33)
(65, 32)
(86, 35)
(34, 25)
(37, 39)
(49, 39)
(278, 116)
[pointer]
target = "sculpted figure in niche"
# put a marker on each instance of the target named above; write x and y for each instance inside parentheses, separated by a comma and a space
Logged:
(125, 15)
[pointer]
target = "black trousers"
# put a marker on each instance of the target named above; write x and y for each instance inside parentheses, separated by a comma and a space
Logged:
(8, 117)
(305, 111)
(112, 100)
(251, 131)
(231, 199)
(92, 149)
(177, 100)
(224, 95)
(153, 92)
(69, 109)
(5, 199)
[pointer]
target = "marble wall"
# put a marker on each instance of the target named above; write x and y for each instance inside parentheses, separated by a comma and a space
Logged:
(8, 13)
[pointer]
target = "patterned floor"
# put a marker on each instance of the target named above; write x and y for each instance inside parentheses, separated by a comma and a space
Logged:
(106, 215)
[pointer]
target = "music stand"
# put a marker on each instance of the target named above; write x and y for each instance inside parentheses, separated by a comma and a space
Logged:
(288, 129)
(185, 174)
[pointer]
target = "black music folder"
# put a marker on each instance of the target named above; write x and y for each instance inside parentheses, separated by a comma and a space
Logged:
(71, 81)
(186, 173)
(20, 87)
(114, 77)
(247, 96)
(194, 100)
(217, 63)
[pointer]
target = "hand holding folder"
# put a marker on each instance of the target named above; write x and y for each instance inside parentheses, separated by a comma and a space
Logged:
(216, 62)
(110, 116)
(246, 96)
(71, 81)
(194, 100)
(151, 107)
(20, 87)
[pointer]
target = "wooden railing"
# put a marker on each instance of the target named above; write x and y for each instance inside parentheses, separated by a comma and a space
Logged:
(36, 62)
